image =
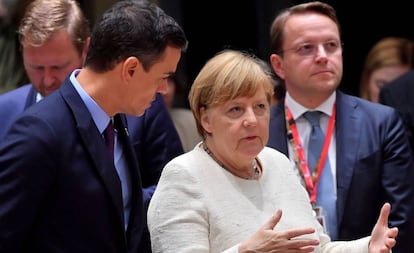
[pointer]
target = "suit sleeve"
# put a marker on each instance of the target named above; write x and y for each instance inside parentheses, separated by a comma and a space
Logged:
(398, 181)
(400, 98)
(26, 176)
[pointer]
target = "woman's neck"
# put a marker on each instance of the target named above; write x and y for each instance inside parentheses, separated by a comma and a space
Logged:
(252, 171)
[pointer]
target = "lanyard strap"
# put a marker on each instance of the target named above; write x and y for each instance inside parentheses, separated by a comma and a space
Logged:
(311, 179)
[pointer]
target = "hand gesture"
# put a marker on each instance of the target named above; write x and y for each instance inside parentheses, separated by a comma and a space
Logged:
(382, 237)
(268, 240)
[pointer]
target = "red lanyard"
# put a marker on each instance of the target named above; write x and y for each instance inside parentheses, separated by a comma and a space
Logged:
(311, 180)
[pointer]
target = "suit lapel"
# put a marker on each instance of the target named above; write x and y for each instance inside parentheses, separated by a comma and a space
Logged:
(136, 214)
(277, 131)
(89, 135)
(31, 97)
(347, 143)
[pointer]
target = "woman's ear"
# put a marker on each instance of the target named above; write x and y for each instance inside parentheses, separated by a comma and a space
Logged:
(205, 119)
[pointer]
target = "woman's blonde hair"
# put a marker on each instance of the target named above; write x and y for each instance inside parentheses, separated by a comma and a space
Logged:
(228, 75)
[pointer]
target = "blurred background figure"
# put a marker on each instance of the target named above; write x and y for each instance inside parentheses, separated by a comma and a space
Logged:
(51, 47)
(12, 73)
(399, 94)
(389, 58)
(182, 117)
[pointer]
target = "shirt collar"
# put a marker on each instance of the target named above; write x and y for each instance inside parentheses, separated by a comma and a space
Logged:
(297, 109)
(99, 116)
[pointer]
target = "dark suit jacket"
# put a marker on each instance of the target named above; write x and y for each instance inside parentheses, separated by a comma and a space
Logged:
(399, 94)
(373, 165)
(13, 103)
(154, 138)
(153, 135)
(60, 191)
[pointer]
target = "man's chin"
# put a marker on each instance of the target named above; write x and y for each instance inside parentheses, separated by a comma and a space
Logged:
(46, 93)
(140, 113)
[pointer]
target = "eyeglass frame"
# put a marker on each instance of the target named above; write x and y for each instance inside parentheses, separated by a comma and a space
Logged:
(315, 48)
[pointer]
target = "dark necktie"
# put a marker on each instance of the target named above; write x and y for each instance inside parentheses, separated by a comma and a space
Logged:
(326, 197)
(109, 136)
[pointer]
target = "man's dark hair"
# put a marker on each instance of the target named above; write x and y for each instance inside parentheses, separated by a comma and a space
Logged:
(132, 28)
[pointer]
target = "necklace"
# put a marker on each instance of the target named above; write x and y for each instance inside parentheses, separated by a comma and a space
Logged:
(255, 166)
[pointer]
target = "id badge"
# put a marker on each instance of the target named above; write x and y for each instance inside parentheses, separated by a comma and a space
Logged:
(321, 217)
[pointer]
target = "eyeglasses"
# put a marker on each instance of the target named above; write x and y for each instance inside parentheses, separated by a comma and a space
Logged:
(311, 49)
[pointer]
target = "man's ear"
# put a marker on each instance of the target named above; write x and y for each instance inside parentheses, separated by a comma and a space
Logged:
(277, 64)
(130, 66)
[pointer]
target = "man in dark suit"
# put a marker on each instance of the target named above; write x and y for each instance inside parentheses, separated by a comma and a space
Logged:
(154, 138)
(61, 190)
(53, 54)
(365, 149)
(399, 94)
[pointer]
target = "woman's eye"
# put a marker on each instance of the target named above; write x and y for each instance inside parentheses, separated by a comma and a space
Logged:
(235, 109)
(235, 112)
(260, 109)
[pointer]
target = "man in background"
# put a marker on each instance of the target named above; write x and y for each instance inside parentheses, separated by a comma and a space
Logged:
(399, 94)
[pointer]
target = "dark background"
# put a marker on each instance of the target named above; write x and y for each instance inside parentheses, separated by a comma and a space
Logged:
(212, 25)
(244, 24)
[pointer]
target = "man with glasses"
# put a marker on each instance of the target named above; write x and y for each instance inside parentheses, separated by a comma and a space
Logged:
(363, 158)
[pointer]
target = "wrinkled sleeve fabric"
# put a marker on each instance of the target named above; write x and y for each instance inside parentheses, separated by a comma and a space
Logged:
(185, 225)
